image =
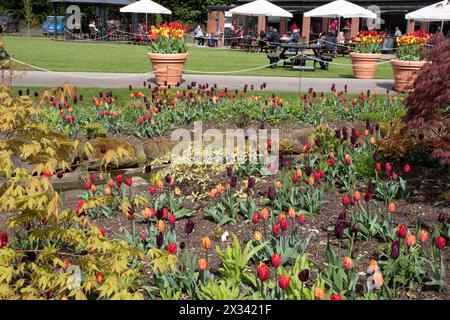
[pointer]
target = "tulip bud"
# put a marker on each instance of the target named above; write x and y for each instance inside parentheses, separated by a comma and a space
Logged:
(303, 275)
(263, 272)
(206, 243)
(283, 281)
(440, 242)
(276, 260)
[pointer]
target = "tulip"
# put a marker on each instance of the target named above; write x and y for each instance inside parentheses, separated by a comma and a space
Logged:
(189, 227)
(263, 272)
(347, 263)
(391, 207)
(257, 235)
(345, 200)
(219, 188)
(347, 159)
(212, 193)
(335, 296)
(442, 217)
(152, 190)
(367, 196)
(3, 239)
(119, 180)
(295, 178)
(440, 242)
(402, 231)
(172, 219)
(373, 266)
(92, 178)
(143, 236)
(278, 185)
(250, 183)
(276, 229)
(255, 218)
(206, 243)
(271, 194)
(233, 182)
(283, 224)
(378, 166)
(102, 231)
(229, 171)
(303, 275)
(129, 181)
(301, 218)
(172, 248)
(407, 168)
(395, 249)
(99, 276)
(159, 184)
(423, 236)
(265, 213)
(87, 185)
(319, 293)
(110, 182)
(283, 281)
(291, 213)
(276, 260)
(177, 191)
(93, 189)
(202, 264)
(356, 195)
(161, 226)
(355, 228)
(410, 240)
(378, 280)
(160, 239)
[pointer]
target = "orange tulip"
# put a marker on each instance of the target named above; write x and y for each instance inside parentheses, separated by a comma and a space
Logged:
(311, 181)
(108, 191)
(93, 189)
(423, 236)
(99, 277)
(391, 207)
(212, 193)
(161, 225)
(110, 182)
(410, 240)
(357, 195)
(206, 243)
(177, 191)
(373, 266)
(377, 280)
(291, 213)
(219, 188)
(347, 263)
(372, 140)
(257, 235)
(202, 264)
(278, 184)
(159, 184)
(299, 172)
(265, 213)
(319, 293)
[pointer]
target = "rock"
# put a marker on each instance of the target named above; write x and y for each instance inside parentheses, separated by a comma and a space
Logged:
(297, 138)
(108, 144)
(154, 149)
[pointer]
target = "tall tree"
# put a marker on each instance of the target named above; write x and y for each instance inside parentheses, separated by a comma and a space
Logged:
(28, 13)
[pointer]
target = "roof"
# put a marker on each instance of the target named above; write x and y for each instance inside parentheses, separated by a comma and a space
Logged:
(385, 5)
(105, 2)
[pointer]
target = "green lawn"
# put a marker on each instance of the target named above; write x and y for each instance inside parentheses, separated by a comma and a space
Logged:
(111, 57)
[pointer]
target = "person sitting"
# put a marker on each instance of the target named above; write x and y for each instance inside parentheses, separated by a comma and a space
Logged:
(341, 38)
(295, 36)
(398, 32)
(329, 42)
(93, 31)
(200, 37)
(274, 38)
(293, 28)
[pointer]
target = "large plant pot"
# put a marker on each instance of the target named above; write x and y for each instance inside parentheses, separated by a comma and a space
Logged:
(168, 67)
(364, 64)
(405, 73)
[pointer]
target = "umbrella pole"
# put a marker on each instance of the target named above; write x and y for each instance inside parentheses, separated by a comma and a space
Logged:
(146, 23)
(442, 26)
(339, 24)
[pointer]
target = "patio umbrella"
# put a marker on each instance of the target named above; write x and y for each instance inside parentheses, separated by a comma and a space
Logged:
(260, 8)
(436, 12)
(145, 6)
(341, 9)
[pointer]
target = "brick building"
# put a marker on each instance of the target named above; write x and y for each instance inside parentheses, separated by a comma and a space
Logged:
(391, 14)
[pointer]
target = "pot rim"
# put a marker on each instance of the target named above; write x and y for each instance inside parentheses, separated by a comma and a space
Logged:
(372, 55)
(168, 54)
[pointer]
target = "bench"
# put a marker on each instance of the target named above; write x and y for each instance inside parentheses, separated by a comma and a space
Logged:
(299, 63)
(273, 59)
(325, 61)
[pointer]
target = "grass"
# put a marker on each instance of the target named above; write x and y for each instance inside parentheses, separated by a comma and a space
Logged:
(112, 57)
(124, 93)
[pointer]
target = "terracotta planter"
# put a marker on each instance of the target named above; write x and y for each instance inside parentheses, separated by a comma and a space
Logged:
(168, 67)
(364, 64)
(405, 73)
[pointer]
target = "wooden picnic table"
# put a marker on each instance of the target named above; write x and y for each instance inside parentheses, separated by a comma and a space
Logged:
(297, 58)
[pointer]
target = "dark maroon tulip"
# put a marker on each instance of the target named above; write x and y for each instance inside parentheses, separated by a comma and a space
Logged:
(167, 178)
(159, 214)
(370, 188)
(60, 174)
(308, 170)
(303, 275)
(442, 217)
(189, 227)
(148, 169)
(233, 182)
(338, 133)
(102, 148)
(182, 245)
(229, 171)
(250, 182)
(395, 249)
(271, 193)
(160, 240)
(355, 228)
(318, 142)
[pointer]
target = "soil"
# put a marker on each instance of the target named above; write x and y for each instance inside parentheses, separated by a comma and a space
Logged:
(424, 205)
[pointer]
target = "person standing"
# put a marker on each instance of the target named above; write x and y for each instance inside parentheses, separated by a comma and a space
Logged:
(398, 32)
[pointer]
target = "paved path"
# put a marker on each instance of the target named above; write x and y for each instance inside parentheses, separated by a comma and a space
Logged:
(123, 80)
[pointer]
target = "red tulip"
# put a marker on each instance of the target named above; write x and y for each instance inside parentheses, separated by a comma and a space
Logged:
(255, 218)
(172, 248)
(407, 168)
(283, 281)
(295, 178)
(128, 182)
(276, 229)
(440, 242)
(172, 219)
(143, 236)
(402, 231)
(263, 272)
(345, 200)
(92, 178)
(102, 231)
(378, 166)
(335, 296)
(87, 185)
(283, 224)
(119, 180)
(301, 219)
(276, 260)
(152, 189)
(3, 239)
(331, 162)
